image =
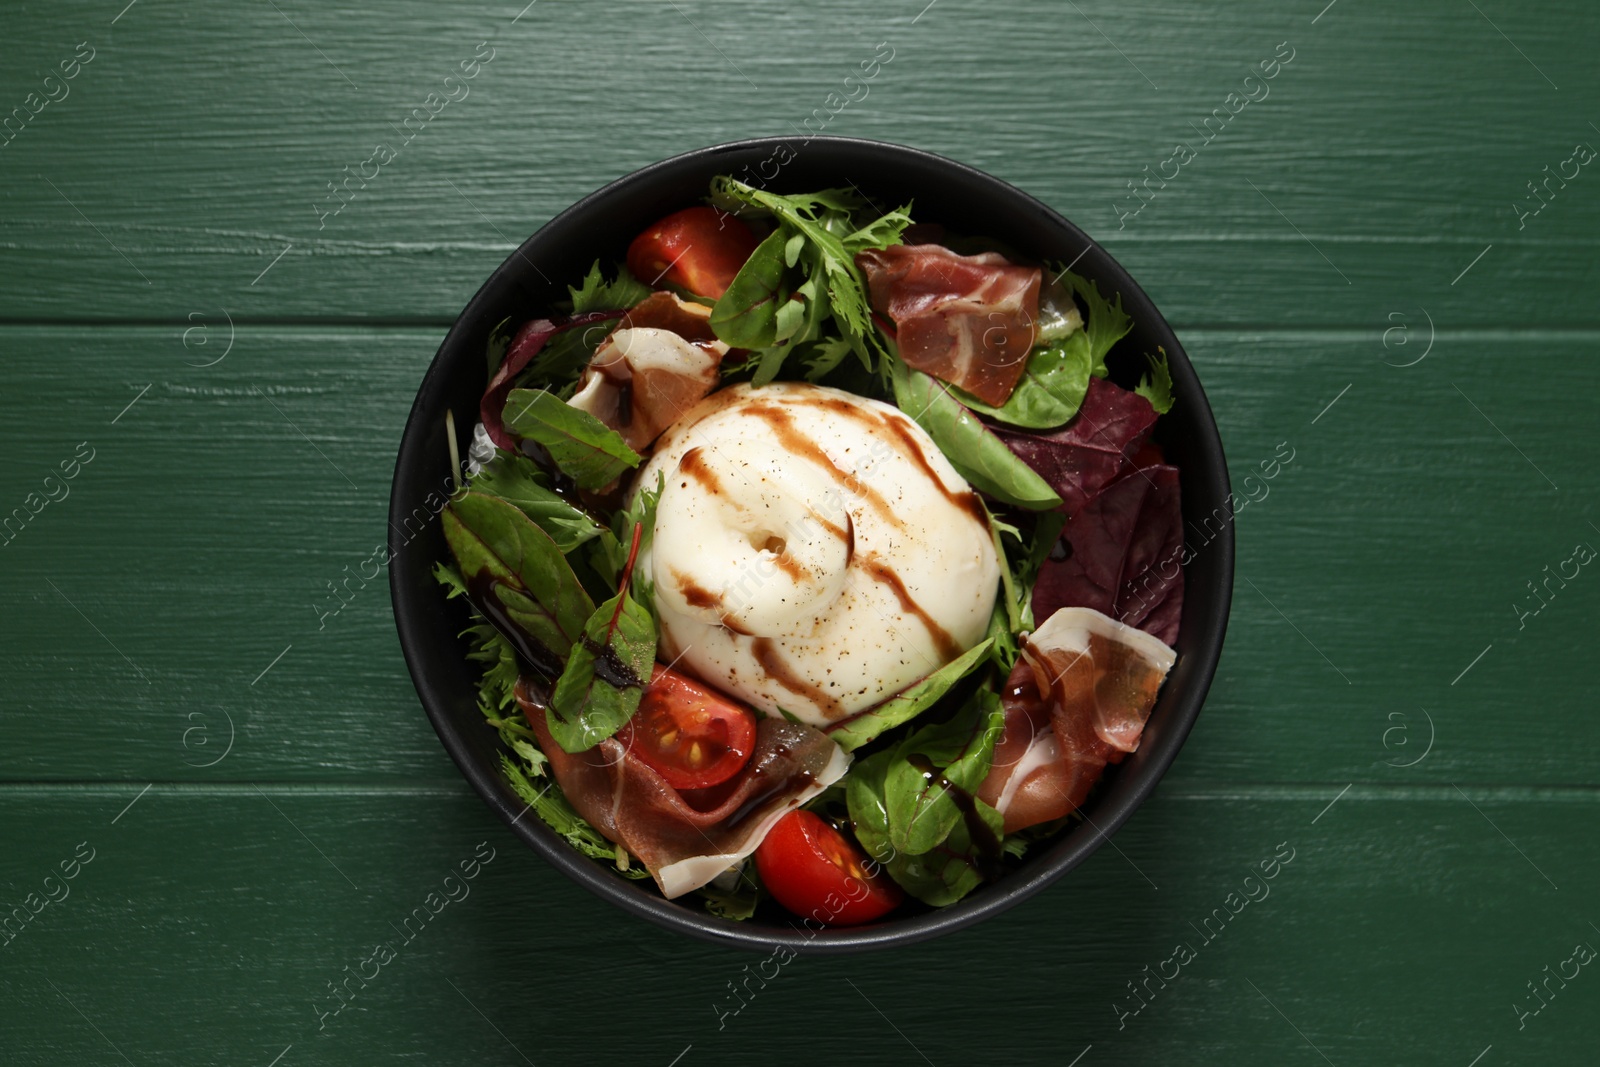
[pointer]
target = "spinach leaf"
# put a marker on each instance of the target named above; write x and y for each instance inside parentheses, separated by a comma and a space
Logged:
(937, 770)
(517, 578)
(518, 480)
(909, 703)
(592, 454)
(746, 316)
(979, 456)
(1156, 386)
(1051, 388)
(940, 876)
(606, 670)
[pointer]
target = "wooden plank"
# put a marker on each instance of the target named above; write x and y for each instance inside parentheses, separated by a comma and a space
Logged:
(1403, 929)
(180, 166)
(200, 540)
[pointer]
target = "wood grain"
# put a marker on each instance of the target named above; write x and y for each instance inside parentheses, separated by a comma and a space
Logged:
(1388, 702)
(1380, 170)
(208, 926)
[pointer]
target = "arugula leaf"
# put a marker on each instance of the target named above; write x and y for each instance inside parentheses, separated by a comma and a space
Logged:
(598, 294)
(977, 454)
(567, 353)
(1156, 386)
(827, 257)
(941, 876)
(909, 703)
(1104, 323)
(937, 769)
(880, 233)
(746, 315)
(517, 578)
(518, 480)
(1003, 650)
(592, 454)
(1051, 388)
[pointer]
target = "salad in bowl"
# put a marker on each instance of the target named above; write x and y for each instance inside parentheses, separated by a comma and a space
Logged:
(818, 570)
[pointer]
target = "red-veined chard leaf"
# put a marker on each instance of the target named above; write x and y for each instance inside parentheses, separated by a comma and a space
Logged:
(527, 344)
(517, 578)
(1126, 557)
(585, 449)
(518, 480)
(606, 671)
(746, 316)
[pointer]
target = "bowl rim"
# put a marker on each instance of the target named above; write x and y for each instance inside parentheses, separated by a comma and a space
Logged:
(1064, 853)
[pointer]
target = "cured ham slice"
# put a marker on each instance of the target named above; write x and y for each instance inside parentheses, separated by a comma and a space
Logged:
(661, 360)
(1077, 700)
(968, 320)
(685, 838)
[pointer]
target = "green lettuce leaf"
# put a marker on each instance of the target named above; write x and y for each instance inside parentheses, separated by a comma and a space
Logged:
(978, 455)
(519, 481)
(590, 453)
(534, 598)
(909, 703)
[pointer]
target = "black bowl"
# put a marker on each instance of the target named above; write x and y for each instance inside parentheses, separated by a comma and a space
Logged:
(600, 226)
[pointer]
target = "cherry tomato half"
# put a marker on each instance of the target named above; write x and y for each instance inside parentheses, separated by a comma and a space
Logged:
(814, 871)
(697, 249)
(689, 734)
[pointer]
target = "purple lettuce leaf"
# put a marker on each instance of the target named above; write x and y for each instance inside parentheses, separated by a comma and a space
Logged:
(1126, 547)
(1089, 452)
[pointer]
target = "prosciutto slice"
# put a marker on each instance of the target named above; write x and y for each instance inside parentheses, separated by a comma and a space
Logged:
(1076, 701)
(685, 838)
(968, 320)
(661, 360)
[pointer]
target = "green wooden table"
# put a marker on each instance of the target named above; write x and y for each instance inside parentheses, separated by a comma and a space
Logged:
(242, 783)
